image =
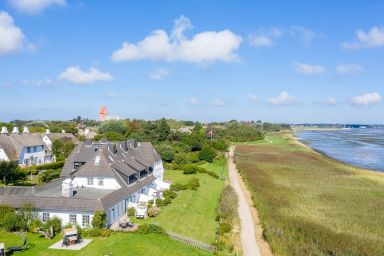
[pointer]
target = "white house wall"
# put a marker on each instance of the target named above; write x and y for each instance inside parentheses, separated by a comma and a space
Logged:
(158, 170)
(64, 216)
(47, 142)
(3, 156)
(109, 183)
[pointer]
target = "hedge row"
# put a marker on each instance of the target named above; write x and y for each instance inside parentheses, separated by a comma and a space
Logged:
(54, 165)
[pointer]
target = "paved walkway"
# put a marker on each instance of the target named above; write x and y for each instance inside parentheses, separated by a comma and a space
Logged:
(74, 247)
(247, 232)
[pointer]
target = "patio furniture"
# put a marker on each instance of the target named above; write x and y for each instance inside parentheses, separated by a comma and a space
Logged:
(71, 237)
(18, 248)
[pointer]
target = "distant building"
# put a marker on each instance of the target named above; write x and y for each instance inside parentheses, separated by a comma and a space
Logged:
(104, 116)
(49, 138)
(25, 148)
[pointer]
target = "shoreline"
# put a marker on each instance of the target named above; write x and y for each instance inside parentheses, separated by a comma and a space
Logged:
(296, 140)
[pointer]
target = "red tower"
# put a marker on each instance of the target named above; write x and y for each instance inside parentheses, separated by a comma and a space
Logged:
(103, 113)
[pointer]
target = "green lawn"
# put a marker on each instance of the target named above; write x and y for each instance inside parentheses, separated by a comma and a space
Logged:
(117, 244)
(312, 205)
(192, 213)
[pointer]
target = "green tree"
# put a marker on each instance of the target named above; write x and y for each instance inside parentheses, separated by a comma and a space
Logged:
(9, 171)
(166, 152)
(117, 126)
(207, 153)
(99, 219)
(61, 148)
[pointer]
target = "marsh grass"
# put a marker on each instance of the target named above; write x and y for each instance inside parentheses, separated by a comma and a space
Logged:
(310, 204)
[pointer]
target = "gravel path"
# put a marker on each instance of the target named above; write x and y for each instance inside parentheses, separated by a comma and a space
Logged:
(247, 226)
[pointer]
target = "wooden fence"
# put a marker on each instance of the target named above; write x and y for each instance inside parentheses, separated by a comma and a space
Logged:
(192, 242)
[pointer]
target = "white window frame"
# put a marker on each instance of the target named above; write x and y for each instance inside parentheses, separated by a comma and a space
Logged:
(86, 220)
(100, 182)
(90, 181)
(45, 216)
(73, 219)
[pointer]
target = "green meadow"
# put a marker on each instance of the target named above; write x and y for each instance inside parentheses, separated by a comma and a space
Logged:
(310, 204)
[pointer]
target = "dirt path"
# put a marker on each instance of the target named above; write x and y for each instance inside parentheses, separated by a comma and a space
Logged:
(247, 225)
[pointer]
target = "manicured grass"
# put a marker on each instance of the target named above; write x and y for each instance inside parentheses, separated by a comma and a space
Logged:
(192, 213)
(310, 204)
(117, 244)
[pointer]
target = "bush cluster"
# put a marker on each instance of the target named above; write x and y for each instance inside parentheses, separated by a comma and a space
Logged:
(49, 175)
(154, 211)
(150, 228)
(193, 183)
(131, 211)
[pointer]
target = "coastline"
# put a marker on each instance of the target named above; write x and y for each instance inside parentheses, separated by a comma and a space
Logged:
(293, 138)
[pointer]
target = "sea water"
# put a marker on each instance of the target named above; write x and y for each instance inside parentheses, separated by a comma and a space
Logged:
(359, 147)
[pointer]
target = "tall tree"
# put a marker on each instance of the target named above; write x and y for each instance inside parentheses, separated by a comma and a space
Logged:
(8, 170)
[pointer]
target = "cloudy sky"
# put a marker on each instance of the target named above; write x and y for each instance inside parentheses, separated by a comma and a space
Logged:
(299, 61)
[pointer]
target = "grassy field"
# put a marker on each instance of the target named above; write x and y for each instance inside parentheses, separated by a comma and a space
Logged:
(116, 244)
(310, 204)
(192, 213)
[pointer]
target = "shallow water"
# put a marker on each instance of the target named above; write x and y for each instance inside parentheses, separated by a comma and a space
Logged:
(359, 147)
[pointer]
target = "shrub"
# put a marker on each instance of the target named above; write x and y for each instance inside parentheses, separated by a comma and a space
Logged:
(99, 219)
(105, 233)
(178, 187)
(54, 165)
(220, 145)
(154, 211)
(193, 184)
(55, 223)
(163, 202)
(228, 204)
(4, 209)
(193, 157)
(94, 232)
(131, 211)
(181, 158)
(13, 222)
(68, 225)
(190, 169)
(169, 194)
(27, 212)
(166, 152)
(224, 228)
(150, 228)
(34, 225)
(49, 175)
(207, 153)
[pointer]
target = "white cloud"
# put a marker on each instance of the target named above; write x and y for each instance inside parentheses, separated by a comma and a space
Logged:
(330, 101)
(309, 69)
(253, 97)
(344, 69)
(217, 102)
(366, 99)
(159, 74)
(34, 6)
(264, 38)
(38, 83)
(283, 99)
(12, 38)
(305, 35)
(204, 47)
(371, 39)
(193, 101)
(75, 75)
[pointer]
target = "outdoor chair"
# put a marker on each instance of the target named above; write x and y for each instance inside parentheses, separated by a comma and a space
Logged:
(18, 248)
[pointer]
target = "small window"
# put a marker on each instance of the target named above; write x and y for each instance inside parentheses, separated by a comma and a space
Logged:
(101, 182)
(72, 219)
(28, 149)
(85, 220)
(90, 181)
(45, 216)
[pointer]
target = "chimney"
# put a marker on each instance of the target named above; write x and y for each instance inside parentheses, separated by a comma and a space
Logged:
(67, 188)
(15, 130)
(4, 130)
(25, 129)
(47, 131)
(62, 131)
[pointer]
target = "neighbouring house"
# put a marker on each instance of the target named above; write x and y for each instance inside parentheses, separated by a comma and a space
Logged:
(25, 148)
(109, 176)
(49, 138)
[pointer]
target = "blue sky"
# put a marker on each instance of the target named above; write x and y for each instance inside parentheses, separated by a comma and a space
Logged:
(278, 61)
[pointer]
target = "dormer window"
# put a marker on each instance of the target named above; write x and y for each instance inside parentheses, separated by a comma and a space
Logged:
(90, 181)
